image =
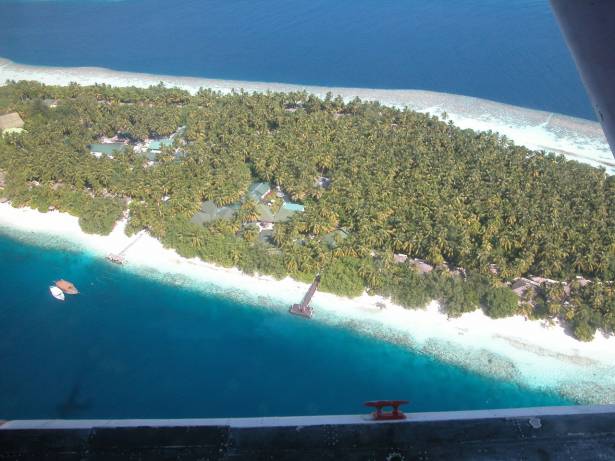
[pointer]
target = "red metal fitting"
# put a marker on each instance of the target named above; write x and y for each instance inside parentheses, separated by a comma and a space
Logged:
(380, 415)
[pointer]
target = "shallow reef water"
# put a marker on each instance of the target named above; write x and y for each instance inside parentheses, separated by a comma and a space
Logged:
(131, 346)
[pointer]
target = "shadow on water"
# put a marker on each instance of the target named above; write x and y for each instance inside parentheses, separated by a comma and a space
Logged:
(73, 405)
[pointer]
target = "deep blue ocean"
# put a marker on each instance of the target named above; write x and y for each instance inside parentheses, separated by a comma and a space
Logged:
(505, 50)
(128, 346)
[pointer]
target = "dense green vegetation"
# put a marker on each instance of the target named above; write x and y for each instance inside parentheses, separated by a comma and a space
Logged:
(400, 182)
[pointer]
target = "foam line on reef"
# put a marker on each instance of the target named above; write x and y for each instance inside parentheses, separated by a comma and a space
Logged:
(576, 138)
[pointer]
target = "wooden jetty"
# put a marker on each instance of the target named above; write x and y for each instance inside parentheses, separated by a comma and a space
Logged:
(304, 309)
(118, 258)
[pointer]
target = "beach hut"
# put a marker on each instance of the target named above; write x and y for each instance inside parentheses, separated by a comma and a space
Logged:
(11, 123)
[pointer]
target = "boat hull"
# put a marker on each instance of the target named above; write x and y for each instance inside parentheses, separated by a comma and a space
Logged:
(67, 287)
(56, 293)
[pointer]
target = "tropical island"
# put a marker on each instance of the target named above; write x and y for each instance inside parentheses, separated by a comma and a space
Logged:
(401, 204)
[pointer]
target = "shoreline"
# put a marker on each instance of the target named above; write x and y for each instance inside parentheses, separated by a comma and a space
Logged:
(528, 353)
(576, 138)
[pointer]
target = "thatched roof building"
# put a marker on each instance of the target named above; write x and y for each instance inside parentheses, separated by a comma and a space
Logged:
(400, 258)
(210, 212)
(422, 266)
(582, 281)
(521, 285)
(541, 280)
(259, 190)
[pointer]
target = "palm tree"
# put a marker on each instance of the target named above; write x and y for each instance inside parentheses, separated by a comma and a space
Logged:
(248, 211)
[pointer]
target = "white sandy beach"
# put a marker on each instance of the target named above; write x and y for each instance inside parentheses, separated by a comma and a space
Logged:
(527, 352)
(575, 138)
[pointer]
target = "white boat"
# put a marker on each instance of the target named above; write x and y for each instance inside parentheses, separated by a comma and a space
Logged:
(57, 293)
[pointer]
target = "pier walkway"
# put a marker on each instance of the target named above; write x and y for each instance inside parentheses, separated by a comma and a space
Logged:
(304, 309)
(118, 258)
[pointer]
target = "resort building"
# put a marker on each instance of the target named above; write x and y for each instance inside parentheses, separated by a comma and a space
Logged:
(285, 212)
(98, 149)
(582, 281)
(211, 212)
(265, 214)
(521, 285)
(400, 258)
(259, 190)
(149, 148)
(268, 214)
(156, 145)
(11, 123)
(541, 280)
(422, 266)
